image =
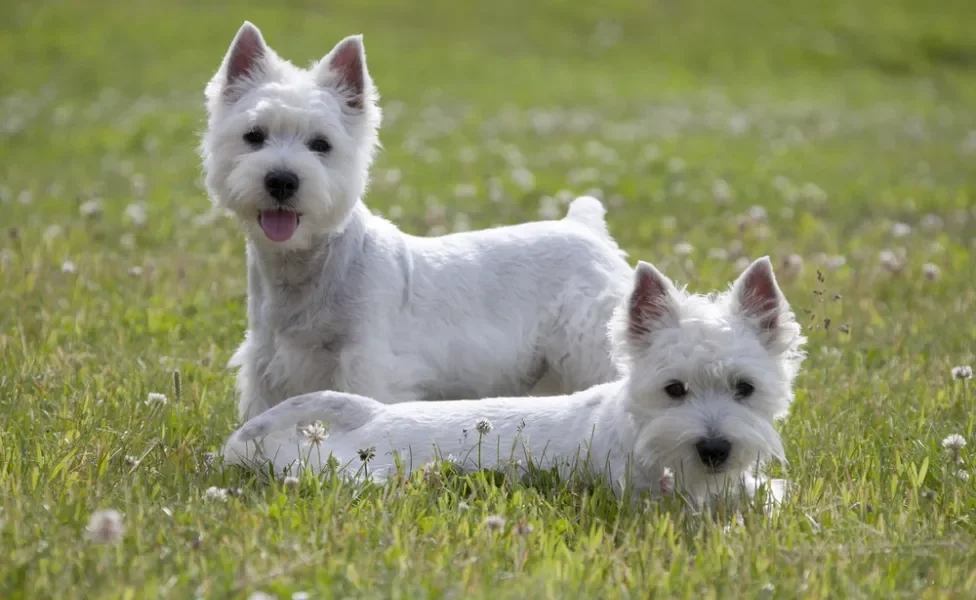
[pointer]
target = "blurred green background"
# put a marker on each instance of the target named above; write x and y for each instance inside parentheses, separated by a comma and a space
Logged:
(839, 135)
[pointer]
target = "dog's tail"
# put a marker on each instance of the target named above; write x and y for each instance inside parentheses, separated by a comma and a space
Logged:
(590, 212)
(343, 412)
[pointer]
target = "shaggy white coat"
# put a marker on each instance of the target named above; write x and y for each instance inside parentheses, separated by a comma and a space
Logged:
(627, 432)
(349, 302)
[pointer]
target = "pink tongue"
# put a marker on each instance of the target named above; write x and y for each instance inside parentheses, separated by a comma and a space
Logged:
(278, 225)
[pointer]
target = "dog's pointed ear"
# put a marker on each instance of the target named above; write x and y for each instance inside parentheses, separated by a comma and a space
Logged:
(651, 302)
(757, 297)
(243, 61)
(344, 70)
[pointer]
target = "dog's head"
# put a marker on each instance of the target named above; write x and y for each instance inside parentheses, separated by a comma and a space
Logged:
(708, 375)
(289, 149)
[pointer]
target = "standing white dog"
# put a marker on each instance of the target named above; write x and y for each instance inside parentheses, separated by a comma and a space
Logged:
(707, 376)
(340, 299)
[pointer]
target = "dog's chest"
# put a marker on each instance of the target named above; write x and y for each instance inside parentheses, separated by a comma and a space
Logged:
(303, 365)
(304, 347)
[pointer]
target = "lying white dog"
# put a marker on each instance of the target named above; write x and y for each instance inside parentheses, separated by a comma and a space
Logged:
(706, 378)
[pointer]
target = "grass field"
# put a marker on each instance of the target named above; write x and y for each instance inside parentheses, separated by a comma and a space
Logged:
(841, 131)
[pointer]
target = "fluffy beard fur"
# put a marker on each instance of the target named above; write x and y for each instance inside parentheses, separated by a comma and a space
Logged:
(350, 303)
(626, 433)
(709, 344)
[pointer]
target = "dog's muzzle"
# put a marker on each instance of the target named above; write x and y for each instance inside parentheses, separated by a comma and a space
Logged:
(281, 184)
(713, 452)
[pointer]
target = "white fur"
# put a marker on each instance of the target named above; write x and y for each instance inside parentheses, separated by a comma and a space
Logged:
(629, 430)
(349, 302)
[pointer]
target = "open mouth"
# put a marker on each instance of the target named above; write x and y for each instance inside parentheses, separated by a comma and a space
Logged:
(279, 224)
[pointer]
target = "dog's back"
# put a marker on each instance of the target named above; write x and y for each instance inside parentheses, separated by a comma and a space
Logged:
(516, 304)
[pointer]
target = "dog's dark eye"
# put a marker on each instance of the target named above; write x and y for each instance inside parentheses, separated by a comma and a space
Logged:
(320, 145)
(743, 389)
(676, 389)
(255, 137)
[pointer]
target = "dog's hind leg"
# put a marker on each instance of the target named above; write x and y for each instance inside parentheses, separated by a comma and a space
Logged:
(578, 352)
(343, 412)
(576, 371)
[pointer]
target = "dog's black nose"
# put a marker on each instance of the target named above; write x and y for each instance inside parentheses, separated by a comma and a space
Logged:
(281, 184)
(713, 452)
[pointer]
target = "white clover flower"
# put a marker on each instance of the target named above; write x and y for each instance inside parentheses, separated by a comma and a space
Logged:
(813, 192)
(127, 240)
(215, 494)
(494, 522)
(137, 214)
(138, 183)
(523, 178)
(792, 265)
(891, 262)
(835, 262)
(901, 230)
(721, 191)
(962, 372)
(52, 232)
(105, 527)
(676, 165)
(954, 442)
(91, 208)
(932, 222)
(156, 398)
(315, 433)
(462, 222)
(483, 426)
(468, 154)
(757, 214)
